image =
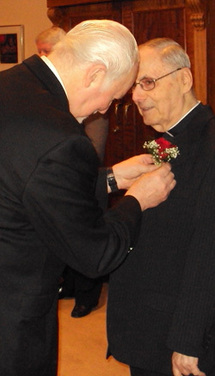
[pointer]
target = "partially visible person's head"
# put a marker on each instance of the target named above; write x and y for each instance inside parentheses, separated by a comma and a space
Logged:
(99, 59)
(47, 39)
(163, 91)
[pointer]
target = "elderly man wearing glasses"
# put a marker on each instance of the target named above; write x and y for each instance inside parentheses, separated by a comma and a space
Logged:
(161, 306)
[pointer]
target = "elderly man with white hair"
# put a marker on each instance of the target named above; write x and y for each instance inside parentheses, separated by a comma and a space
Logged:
(51, 190)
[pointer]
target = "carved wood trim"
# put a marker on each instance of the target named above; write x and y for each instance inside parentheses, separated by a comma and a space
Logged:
(60, 3)
(57, 15)
(198, 16)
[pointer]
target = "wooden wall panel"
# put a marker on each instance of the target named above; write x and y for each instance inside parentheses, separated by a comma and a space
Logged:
(68, 17)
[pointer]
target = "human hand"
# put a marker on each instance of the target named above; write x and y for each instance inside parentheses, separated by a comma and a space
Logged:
(153, 187)
(185, 365)
(126, 172)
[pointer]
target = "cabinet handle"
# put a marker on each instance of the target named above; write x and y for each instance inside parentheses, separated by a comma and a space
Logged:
(116, 110)
(126, 108)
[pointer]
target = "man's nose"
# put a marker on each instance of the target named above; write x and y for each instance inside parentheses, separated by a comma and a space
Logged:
(138, 94)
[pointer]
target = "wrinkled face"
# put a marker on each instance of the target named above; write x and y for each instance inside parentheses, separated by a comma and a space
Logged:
(44, 48)
(162, 106)
(101, 98)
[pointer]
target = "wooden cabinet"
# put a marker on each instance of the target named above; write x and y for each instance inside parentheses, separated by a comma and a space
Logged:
(69, 15)
(189, 22)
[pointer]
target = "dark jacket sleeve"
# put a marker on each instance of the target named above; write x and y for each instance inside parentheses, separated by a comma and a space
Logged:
(60, 200)
(101, 189)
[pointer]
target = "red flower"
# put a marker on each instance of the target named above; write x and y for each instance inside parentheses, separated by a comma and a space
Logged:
(164, 144)
(161, 150)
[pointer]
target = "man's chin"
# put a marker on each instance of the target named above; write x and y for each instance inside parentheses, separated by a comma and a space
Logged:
(156, 127)
(147, 121)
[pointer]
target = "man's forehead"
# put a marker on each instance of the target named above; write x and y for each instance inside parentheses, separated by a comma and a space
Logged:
(149, 55)
(150, 62)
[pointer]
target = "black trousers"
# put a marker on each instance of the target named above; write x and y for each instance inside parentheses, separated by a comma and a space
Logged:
(141, 372)
(85, 290)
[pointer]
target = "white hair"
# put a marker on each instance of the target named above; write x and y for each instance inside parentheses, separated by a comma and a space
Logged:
(52, 35)
(170, 52)
(100, 41)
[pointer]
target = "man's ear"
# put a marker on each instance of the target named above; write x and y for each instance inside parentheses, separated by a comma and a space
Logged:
(95, 75)
(187, 79)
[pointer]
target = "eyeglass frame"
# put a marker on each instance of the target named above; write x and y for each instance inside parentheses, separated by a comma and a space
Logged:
(153, 80)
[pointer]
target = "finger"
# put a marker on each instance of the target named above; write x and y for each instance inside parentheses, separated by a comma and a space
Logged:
(146, 158)
(149, 168)
(170, 177)
(176, 372)
(173, 184)
(193, 374)
(165, 168)
(197, 372)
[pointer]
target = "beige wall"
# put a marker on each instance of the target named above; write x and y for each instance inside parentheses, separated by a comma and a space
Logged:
(30, 13)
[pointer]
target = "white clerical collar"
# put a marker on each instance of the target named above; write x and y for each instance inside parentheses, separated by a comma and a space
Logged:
(168, 132)
(53, 69)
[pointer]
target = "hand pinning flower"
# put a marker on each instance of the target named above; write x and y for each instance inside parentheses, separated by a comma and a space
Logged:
(161, 150)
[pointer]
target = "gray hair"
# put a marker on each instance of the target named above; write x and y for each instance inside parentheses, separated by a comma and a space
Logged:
(100, 41)
(170, 51)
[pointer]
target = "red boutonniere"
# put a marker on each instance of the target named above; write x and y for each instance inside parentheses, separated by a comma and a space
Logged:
(161, 150)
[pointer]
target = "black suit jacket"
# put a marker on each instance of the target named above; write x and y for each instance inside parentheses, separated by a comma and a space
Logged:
(49, 214)
(162, 298)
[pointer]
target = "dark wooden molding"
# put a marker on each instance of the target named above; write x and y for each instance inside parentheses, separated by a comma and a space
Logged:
(198, 16)
(60, 3)
(57, 15)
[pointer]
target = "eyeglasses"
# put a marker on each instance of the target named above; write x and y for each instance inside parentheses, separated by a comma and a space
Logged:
(148, 83)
